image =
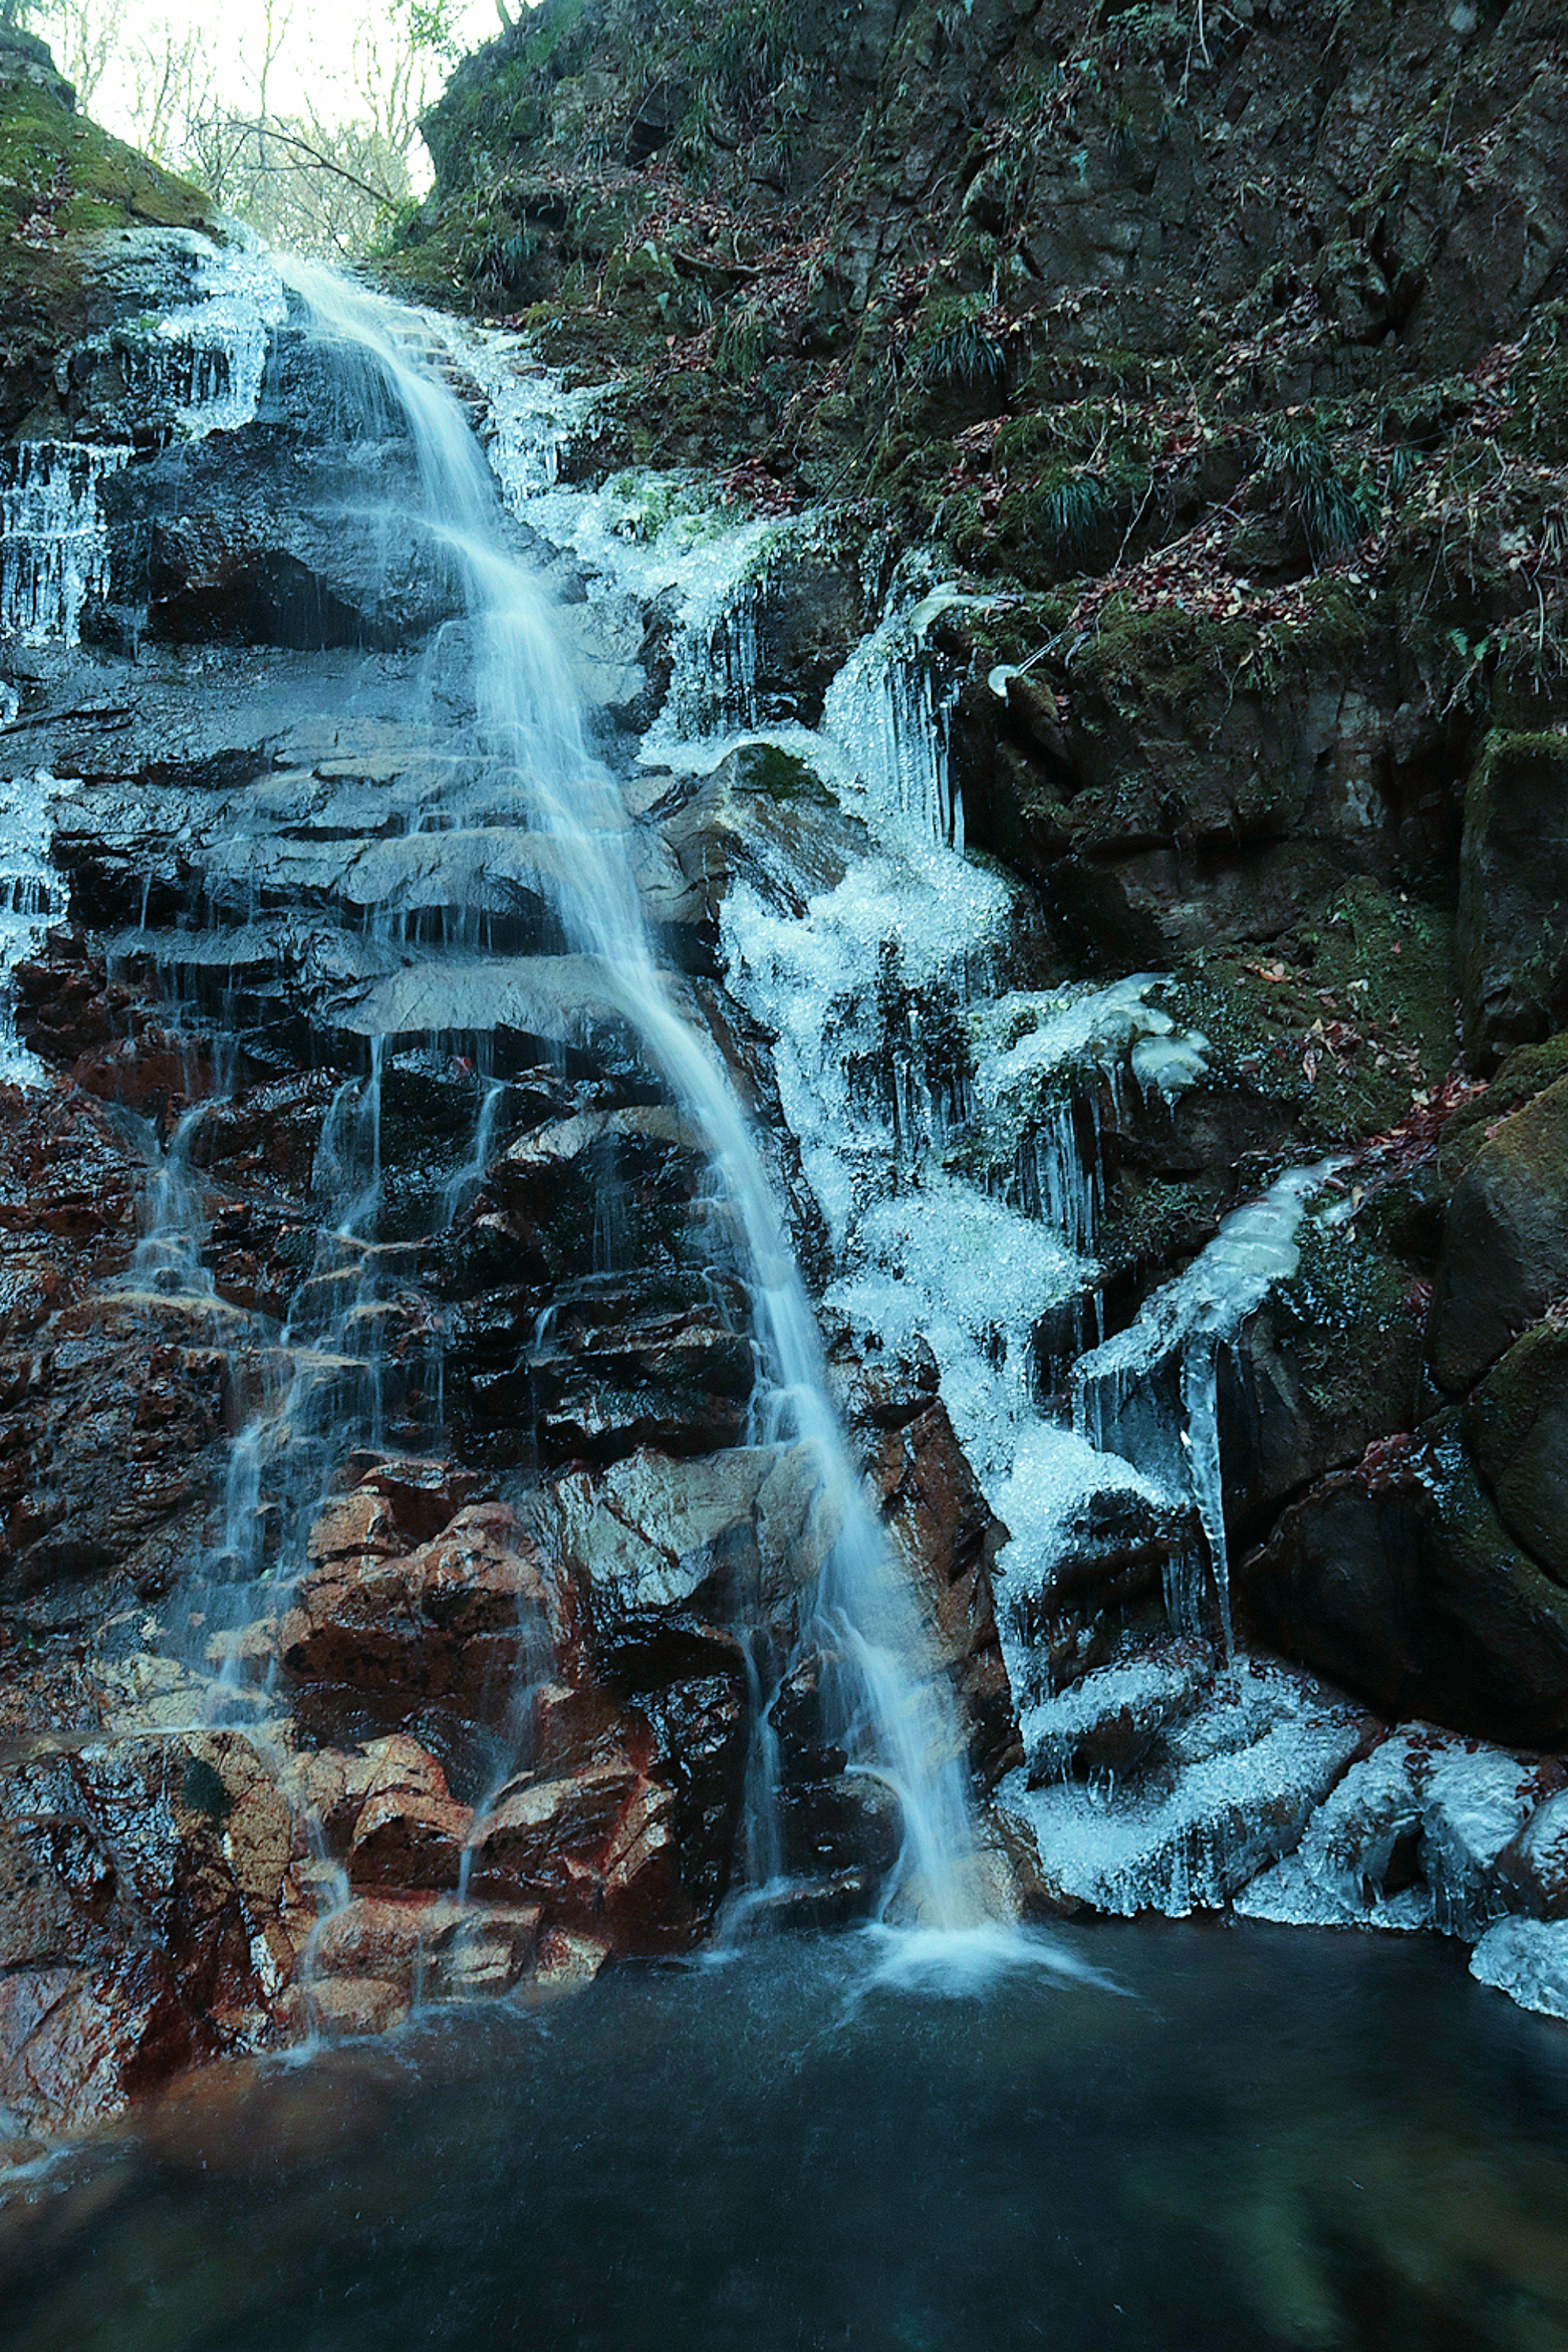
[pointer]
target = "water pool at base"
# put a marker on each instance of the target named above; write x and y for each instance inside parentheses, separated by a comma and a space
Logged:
(1163, 2137)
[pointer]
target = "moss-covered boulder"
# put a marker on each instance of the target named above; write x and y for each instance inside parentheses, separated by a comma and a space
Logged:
(1513, 893)
(1516, 1424)
(1399, 1579)
(1505, 1248)
(68, 191)
(1330, 1361)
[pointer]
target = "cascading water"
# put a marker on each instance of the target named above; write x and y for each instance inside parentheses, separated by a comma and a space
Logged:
(529, 734)
(948, 1117)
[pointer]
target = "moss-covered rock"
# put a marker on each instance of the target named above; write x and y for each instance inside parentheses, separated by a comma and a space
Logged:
(1505, 1250)
(1329, 1362)
(1513, 893)
(1516, 1424)
(66, 189)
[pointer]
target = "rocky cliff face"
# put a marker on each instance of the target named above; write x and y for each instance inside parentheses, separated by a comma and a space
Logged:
(1215, 354)
(1213, 358)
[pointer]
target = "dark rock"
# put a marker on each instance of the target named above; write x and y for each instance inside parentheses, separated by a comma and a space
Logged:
(1505, 1249)
(1513, 884)
(1515, 1427)
(1398, 1579)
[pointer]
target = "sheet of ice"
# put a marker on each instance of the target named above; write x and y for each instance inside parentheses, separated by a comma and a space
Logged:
(1187, 1321)
(1475, 1799)
(1436, 1808)
(204, 361)
(1528, 1960)
(1132, 1699)
(1337, 1877)
(533, 417)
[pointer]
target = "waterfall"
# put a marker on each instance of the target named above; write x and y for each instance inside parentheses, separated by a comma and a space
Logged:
(891, 1719)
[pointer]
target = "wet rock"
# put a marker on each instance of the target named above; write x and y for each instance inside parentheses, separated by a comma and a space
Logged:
(345, 2005)
(1398, 1578)
(947, 1537)
(1505, 1246)
(631, 1171)
(141, 1887)
(748, 1526)
(626, 1362)
(592, 1845)
(700, 1727)
(761, 816)
(852, 1823)
(247, 537)
(450, 1621)
(1331, 1360)
(409, 1832)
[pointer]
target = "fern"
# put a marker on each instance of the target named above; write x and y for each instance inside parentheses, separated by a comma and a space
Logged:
(1330, 501)
(965, 360)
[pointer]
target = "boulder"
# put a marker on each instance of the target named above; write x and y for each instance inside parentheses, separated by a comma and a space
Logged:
(409, 1832)
(1398, 1578)
(1505, 1247)
(591, 1843)
(450, 1621)
(142, 1887)
(655, 1532)
(1513, 887)
(1516, 1426)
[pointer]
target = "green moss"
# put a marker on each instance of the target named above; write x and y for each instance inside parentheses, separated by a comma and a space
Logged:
(1305, 1023)
(62, 177)
(1527, 1073)
(1344, 1315)
(766, 768)
(1177, 658)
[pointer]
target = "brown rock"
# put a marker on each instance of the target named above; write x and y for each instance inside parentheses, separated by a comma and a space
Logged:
(444, 1621)
(946, 1534)
(342, 2005)
(592, 1846)
(410, 1832)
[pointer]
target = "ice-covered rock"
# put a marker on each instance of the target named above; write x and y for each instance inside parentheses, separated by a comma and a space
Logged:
(1237, 1781)
(1108, 1722)
(1528, 1960)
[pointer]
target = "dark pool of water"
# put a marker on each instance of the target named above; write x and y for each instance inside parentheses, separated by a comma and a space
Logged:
(1265, 2138)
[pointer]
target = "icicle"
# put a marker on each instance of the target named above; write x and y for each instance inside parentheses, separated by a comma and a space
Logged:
(53, 549)
(31, 894)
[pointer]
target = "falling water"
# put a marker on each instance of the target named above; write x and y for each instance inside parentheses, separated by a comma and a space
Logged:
(891, 1717)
